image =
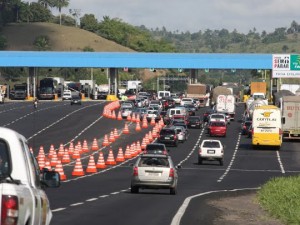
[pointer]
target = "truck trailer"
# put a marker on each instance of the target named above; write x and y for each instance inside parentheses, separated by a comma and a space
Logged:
(290, 108)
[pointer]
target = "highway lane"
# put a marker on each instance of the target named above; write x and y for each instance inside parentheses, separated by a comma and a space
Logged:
(105, 197)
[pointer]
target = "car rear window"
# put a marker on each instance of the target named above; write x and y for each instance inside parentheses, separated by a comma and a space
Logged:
(167, 131)
(147, 161)
(218, 124)
(211, 144)
(217, 116)
(155, 147)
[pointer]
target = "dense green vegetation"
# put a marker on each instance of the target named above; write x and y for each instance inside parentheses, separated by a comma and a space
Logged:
(142, 39)
(280, 196)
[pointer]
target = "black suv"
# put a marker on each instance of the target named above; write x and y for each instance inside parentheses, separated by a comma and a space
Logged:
(168, 136)
(194, 122)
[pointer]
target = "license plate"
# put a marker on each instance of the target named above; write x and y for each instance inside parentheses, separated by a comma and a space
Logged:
(211, 151)
(167, 138)
(193, 125)
(153, 174)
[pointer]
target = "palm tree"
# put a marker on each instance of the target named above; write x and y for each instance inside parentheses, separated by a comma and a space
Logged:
(46, 3)
(59, 4)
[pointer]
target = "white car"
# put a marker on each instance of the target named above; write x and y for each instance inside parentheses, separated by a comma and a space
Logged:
(218, 117)
(211, 150)
(181, 133)
(67, 95)
(187, 101)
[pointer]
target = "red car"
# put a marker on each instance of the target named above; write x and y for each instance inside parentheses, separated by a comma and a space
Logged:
(217, 128)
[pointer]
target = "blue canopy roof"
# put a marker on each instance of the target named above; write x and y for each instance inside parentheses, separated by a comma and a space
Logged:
(135, 60)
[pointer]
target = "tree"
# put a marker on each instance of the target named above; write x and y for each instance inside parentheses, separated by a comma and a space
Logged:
(59, 4)
(46, 3)
(89, 22)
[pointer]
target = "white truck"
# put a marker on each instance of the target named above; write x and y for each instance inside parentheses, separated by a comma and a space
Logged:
(22, 196)
(226, 104)
(290, 109)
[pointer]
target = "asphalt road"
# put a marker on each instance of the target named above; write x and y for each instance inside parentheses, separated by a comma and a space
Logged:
(104, 197)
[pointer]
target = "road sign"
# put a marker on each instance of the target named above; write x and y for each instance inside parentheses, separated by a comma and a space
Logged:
(285, 66)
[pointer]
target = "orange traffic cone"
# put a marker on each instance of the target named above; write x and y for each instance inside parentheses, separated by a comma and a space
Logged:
(127, 153)
(110, 159)
(54, 159)
(116, 134)
(129, 117)
(41, 151)
(119, 116)
(138, 118)
(66, 157)
(78, 170)
(126, 130)
(76, 154)
(154, 132)
(95, 146)
(147, 139)
(150, 136)
(71, 148)
(41, 163)
(145, 123)
(100, 163)
(120, 156)
(47, 165)
(138, 147)
(91, 168)
(132, 150)
(138, 127)
(113, 115)
(111, 137)
(85, 147)
(61, 150)
(143, 145)
(59, 168)
(152, 121)
(133, 119)
(51, 150)
(79, 147)
(105, 141)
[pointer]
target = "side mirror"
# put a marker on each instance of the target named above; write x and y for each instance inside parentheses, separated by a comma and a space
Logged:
(50, 178)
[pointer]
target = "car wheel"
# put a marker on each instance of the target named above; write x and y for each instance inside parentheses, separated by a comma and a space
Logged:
(199, 160)
(173, 191)
(221, 162)
(175, 144)
(134, 189)
(210, 134)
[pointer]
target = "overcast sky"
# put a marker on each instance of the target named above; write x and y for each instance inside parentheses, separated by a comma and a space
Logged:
(195, 15)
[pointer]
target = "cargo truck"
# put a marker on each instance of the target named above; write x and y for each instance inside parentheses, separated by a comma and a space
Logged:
(197, 91)
(226, 104)
(219, 90)
(290, 108)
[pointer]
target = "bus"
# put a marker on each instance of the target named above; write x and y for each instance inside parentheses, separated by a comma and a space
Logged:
(267, 126)
(47, 89)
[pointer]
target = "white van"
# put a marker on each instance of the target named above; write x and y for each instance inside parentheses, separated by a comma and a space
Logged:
(163, 94)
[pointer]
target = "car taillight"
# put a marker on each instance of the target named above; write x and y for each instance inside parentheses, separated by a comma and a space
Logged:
(10, 210)
(200, 150)
(172, 172)
(244, 127)
(280, 131)
(135, 171)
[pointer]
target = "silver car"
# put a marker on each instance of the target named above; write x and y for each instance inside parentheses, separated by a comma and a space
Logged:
(154, 171)
(182, 134)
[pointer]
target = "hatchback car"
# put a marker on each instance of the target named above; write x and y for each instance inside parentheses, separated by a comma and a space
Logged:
(217, 128)
(194, 122)
(152, 114)
(152, 171)
(67, 95)
(182, 133)
(156, 148)
(168, 136)
(76, 100)
(211, 150)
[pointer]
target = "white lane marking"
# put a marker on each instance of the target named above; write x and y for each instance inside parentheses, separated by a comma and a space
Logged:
(176, 219)
(280, 162)
(115, 193)
(231, 161)
(59, 209)
(103, 196)
(91, 199)
(76, 204)
(56, 122)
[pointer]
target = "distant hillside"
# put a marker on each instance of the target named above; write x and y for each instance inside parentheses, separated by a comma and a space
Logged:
(20, 37)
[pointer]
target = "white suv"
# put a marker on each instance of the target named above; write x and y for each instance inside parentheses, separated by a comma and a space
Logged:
(211, 150)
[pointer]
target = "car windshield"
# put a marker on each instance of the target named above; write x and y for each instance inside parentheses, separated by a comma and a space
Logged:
(147, 161)
(217, 116)
(211, 144)
(194, 119)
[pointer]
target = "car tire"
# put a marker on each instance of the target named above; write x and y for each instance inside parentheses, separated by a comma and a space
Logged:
(175, 144)
(173, 191)
(200, 160)
(134, 189)
(221, 162)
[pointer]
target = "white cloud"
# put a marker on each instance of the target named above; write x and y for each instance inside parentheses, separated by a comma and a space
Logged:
(195, 15)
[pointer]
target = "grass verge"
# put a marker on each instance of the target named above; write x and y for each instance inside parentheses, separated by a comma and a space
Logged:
(281, 198)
